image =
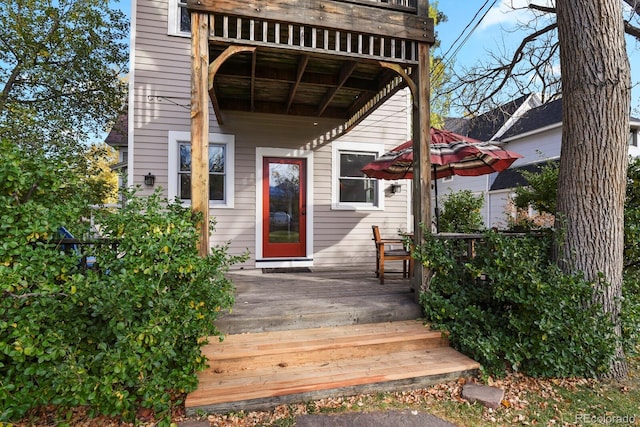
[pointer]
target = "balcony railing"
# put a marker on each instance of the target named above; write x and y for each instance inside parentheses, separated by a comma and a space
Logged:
(302, 37)
(404, 5)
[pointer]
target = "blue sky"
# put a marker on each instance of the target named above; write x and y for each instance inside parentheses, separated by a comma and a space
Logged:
(493, 33)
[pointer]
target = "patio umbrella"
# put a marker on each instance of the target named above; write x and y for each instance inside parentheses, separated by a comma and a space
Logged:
(451, 154)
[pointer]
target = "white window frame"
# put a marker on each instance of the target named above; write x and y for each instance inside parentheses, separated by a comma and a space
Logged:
(173, 20)
(175, 138)
(307, 261)
(633, 137)
(337, 147)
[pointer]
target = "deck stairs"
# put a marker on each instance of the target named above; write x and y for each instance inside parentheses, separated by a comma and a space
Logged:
(253, 371)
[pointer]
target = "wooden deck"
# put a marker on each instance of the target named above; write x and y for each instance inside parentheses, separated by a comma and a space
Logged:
(328, 297)
(301, 336)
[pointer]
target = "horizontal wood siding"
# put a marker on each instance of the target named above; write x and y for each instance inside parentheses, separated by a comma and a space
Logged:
(537, 147)
(344, 238)
(497, 215)
(161, 104)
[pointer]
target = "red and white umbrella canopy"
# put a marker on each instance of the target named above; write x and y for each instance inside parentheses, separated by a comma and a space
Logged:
(451, 154)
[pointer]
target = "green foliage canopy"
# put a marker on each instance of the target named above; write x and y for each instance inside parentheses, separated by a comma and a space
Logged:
(123, 336)
(541, 190)
(61, 66)
(510, 307)
(461, 212)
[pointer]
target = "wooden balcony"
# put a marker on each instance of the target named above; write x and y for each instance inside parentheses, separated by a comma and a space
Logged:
(334, 59)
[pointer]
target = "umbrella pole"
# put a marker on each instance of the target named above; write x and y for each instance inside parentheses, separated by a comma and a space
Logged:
(435, 186)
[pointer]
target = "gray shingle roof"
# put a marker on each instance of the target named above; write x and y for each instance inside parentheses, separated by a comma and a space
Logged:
(536, 118)
(485, 126)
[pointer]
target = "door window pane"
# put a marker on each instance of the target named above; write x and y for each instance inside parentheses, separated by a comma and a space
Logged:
(284, 203)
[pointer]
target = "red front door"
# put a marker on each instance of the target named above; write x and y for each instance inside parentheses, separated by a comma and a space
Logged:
(284, 206)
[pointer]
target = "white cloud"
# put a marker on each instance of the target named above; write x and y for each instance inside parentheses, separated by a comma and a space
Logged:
(511, 12)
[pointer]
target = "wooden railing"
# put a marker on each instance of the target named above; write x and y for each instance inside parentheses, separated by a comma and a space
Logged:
(308, 38)
(404, 5)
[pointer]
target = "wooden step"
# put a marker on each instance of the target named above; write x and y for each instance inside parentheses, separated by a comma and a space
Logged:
(248, 351)
(261, 370)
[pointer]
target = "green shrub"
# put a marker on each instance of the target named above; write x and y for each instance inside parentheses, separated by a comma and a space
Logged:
(461, 212)
(123, 336)
(631, 312)
(509, 307)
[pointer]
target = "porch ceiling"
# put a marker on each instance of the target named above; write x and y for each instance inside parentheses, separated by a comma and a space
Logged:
(298, 83)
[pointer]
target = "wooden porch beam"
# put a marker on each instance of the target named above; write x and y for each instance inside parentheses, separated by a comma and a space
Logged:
(327, 14)
(252, 94)
(213, 68)
(407, 78)
(216, 105)
(302, 66)
(421, 163)
(200, 125)
(300, 76)
(345, 73)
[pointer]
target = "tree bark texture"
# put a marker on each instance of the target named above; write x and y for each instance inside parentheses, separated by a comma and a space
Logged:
(591, 185)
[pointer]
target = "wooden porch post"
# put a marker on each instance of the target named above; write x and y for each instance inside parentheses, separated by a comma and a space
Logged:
(200, 124)
(421, 153)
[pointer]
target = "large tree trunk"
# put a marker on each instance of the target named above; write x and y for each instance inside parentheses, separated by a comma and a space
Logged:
(591, 184)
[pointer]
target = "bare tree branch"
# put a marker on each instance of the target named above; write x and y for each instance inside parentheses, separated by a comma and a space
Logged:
(506, 71)
(635, 5)
(631, 30)
(541, 8)
(34, 295)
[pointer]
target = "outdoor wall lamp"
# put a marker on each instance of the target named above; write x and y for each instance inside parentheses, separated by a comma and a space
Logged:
(149, 179)
(395, 188)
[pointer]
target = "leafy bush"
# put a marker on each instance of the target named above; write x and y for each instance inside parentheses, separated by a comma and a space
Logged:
(509, 307)
(124, 336)
(461, 212)
(541, 194)
(541, 189)
(630, 316)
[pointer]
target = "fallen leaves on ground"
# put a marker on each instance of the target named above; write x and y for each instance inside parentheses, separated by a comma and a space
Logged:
(520, 391)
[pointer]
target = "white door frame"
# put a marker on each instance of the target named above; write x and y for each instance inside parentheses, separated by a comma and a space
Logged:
(307, 261)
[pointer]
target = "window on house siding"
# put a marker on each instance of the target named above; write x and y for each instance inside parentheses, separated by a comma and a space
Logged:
(354, 186)
(217, 160)
(184, 16)
(179, 21)
(221, 168)
(350, 188)
(633, 137)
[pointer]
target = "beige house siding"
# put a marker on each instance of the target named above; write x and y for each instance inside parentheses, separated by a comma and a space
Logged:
(161, 97)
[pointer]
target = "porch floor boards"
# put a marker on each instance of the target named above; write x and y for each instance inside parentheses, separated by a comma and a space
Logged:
(323, 297)
(296, 337)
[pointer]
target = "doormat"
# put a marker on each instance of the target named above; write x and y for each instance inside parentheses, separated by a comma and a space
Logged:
(287, 270)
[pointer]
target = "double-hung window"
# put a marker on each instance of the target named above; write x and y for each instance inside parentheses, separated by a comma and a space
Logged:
(179, 18)
(221, 168)
(352, 189)
(633, 137)
(217, 176)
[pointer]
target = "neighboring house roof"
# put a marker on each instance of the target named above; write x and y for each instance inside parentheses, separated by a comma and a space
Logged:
(512, 178)
(536, 118)
(485, 126)
(119, 134)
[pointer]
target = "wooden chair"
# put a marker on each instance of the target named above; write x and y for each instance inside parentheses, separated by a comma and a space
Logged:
(391, 250)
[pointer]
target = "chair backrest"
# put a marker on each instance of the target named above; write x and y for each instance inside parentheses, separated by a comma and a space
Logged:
(376, 233)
